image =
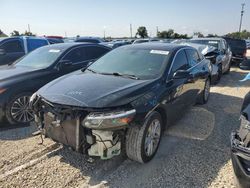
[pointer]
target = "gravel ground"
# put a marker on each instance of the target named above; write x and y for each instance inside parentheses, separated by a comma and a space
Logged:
(195, 152)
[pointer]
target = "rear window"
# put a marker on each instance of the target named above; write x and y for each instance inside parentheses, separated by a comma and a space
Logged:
(12, 46)
(33, 44)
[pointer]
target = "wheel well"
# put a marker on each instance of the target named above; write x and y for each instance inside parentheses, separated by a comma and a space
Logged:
(163, 114)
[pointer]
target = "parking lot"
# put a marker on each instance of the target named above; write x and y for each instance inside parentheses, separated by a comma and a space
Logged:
(195, 152)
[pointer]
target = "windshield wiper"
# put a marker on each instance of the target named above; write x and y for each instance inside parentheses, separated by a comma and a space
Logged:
(122, 75)
(88, 70)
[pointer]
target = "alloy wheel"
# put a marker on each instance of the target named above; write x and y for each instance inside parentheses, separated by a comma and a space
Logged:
(152, 137)
(20, 110)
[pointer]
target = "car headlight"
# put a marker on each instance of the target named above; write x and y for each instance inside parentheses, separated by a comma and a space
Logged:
(244, 122)
(106, 120)
(2, 90)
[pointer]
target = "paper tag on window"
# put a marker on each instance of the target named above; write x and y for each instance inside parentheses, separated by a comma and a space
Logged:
(161, 52)
(54, 50)
(213, 42)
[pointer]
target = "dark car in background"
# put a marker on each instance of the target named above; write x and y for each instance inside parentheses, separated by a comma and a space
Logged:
(220, 54)
(138, 41)
(240, 146)
(21, 79)
(13, 48)
(54, 39)
(124, 100)
(238, 48)
(115, 44)
(206, 51)
(95, 40)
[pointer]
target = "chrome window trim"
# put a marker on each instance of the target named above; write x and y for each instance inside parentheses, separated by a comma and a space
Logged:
(184, 48)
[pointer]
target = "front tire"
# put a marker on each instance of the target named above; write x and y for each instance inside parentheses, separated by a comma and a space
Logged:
(219, 73)
(142, 142)
(18, 110)
(228, 69)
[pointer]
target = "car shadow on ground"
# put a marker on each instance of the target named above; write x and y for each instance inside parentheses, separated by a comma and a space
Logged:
(16, 132)
(191, 153)
(233, 79)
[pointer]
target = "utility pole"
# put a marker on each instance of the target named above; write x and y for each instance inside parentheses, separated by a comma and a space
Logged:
(131, 31)
(29, 28)
(157, 31)
(242, 13)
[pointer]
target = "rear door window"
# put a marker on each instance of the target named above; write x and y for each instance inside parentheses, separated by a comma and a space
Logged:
(95, 52)
(33, 44)
(12, 46)
(76, 55)
(193, 57)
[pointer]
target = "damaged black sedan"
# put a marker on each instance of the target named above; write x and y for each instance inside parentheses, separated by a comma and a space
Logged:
(240, 145)
(124, 100)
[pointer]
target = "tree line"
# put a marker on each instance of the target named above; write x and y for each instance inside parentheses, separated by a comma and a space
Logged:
(143, 33)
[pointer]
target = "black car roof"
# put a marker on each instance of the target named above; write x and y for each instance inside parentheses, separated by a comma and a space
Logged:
(65, 46)
(156, 46)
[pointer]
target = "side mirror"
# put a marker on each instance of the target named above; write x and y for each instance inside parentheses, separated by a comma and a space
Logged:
(65, 63)
(181, 74)
(2, 52)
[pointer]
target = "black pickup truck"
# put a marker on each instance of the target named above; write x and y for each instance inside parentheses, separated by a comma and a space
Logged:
(238, 48)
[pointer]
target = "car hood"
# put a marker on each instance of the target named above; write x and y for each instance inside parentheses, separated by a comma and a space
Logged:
(204, 49)
(7, 72)
(94, 90)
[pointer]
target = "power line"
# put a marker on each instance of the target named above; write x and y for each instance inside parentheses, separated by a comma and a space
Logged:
(242, 13)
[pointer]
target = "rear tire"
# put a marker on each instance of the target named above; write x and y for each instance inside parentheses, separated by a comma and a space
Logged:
(204, 96)
(142, 142)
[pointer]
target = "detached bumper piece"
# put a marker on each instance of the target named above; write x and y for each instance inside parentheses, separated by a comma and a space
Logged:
(240, 154)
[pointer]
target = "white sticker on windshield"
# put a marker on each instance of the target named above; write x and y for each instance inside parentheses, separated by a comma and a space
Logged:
(161, 52)
(54, 50)
(213, 42)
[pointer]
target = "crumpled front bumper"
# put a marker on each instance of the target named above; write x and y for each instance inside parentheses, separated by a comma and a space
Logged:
(240, 156)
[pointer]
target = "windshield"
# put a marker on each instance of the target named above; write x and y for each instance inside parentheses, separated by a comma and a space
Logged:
(141, 63)
(40, 58)
(214, 43)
